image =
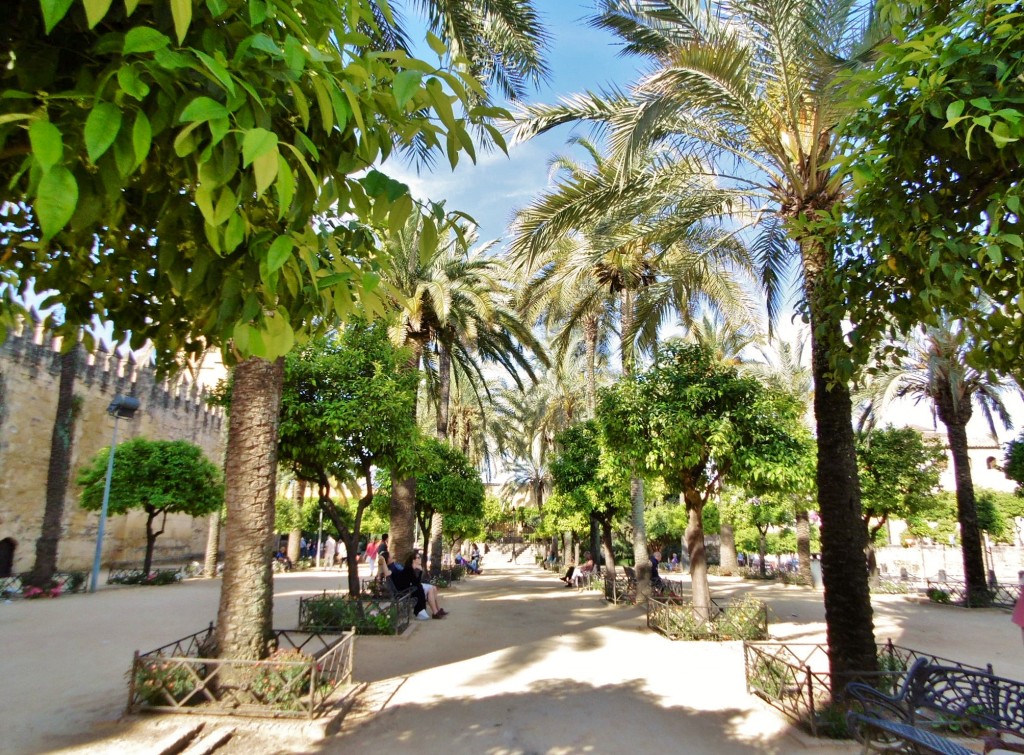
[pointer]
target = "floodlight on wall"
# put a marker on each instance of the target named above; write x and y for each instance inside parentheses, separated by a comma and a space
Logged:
(122, 407)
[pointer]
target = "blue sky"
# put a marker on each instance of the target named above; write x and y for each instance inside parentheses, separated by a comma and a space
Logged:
(491, 190)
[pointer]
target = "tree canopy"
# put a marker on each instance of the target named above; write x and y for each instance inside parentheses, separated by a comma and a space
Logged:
(937, 157)
(160, 477)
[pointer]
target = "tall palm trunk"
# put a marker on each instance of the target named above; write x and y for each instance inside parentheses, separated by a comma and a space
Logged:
(727, 549)
(590, 334)
(444, 390)
(295, 536)
(641, 558)
(212, 545)
(57, 472)
(966, 511)
(803, 543)
(848, 612)
(402, 537)
(250, 472)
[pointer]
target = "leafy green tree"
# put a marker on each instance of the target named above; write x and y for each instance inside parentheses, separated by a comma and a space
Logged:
(694, 422)
(446, 484)
(180, 198)
(899, 474)
(160, 477)
(590, 482)
(934, 139)
(744, 95)
(347, 408)
(1013, 462)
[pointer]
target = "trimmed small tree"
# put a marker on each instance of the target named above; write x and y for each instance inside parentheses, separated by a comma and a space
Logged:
(160, 477)
(446, 484)
(693, 421)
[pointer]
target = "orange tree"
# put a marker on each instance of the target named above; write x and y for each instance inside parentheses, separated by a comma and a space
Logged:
(199, 174)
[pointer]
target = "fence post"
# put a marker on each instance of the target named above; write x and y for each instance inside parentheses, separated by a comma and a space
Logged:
(810, 700)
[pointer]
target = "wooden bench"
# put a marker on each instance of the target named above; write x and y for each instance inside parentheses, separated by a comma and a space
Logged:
(934, 694)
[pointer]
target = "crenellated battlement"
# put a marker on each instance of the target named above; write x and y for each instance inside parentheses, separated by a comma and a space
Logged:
(36, 349)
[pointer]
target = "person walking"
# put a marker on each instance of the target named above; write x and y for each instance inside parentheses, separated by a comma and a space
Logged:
(330, 546)
(371, 555)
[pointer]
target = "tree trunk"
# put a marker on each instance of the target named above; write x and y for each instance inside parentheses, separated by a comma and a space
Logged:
(966, 513)
(727, 535)
(762, 553)
(590, 333)
(607, 545)
(803, 544)
(595, 541)
(402, 531)
(641, 558)
(444, 390)
(58, 469)
(250, 472)
(295, 536)
(401, 538)
(848, 612)
(698, 558)
(147, 561)
(212, 546)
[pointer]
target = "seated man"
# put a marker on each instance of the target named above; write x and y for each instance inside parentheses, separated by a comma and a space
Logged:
(404, 579)
(656, 582)
(413, 564)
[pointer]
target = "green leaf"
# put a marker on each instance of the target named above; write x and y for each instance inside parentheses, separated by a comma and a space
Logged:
(955, 109)
(130, 82)
(144, 39)
(285, 186)
(95, 10)
(265, 168)
(279, 253)
(234, 232)
(101, 129)
(405, 86)
(130, 6)
(279, 338)
(181, 10)
(203, 109)
(294, 56)
(53, 12)
(257, 12)
(47, 143)
(436, 44)
(142, 137)
(56, 199)
(256, 143)
(219, 72)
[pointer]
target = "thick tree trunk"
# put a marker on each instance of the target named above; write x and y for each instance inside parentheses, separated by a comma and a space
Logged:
(295, 536)
(595, 541)
(607, 545)
(967, 514)
(727, 536)
(57, 472)
(762, 553)
(250, 471)
(848, 612)
(147, 561)
(590, 333)
(401, 538)
(698, 558)
(803, 544)
(641, 558)
(212, 545)
(402, 531)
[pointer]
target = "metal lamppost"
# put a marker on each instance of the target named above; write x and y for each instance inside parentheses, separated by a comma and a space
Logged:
(122, 407)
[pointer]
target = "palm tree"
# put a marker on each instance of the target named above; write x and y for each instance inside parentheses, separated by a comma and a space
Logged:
(640, 258)
(937, 371)
(785, 368)
(456, 303)
(745, 93)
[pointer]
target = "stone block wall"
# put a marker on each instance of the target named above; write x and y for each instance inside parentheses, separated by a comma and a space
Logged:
(170, 410)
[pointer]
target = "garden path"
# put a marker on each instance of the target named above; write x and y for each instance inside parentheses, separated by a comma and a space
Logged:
(522, 665)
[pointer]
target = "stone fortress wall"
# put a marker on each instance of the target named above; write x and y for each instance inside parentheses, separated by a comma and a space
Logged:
(170, 410)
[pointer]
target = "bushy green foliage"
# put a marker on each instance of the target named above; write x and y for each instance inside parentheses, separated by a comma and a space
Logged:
(1013, 462)
(936, 146)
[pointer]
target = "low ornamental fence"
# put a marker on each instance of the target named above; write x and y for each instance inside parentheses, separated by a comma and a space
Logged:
(678, 619)
(365, 614)
(63, 582)
(296, 681)
(619, 587)
(794, 678)
(955, 592)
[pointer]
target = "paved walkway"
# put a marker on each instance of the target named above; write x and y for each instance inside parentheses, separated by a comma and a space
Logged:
(522, 665)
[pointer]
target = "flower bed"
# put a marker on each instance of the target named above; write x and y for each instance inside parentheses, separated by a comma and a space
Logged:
(678, 619)
(297, 680)
(140, 577)
(62, 582)
(366, 614)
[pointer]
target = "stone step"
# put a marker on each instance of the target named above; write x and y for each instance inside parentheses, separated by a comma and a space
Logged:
(210, 741)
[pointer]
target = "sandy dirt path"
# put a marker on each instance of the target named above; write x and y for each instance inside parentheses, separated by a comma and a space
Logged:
(522, 665)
